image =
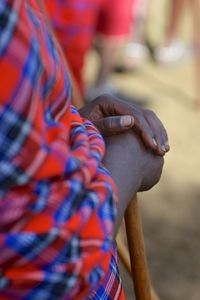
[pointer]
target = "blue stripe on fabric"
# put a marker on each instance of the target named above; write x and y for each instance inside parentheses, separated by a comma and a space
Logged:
(38, 293)
(91, 200)
(101, 293)
(73, 109)
(69, 253)
(52, 51)
(106, 211)
(68, 86)
(31, 245)
(53, 287)
(107, 243)
(72, 165)
(14, 131)
(4, 282)
(71, 203)
(8, 22)
(33, 65)
(49, 118)
(42, 191)
(95, 276)
(48, 86)
(33, 17)
(11, 175)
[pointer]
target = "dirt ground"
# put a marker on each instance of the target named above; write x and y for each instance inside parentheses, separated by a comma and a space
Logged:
(170, 211)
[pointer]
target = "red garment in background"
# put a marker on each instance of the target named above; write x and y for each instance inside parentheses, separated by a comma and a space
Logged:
(77, 21)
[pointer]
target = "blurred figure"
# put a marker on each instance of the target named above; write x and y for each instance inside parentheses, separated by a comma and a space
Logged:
(174, 50)
(76, 22)
(136, 51)
(195, 6)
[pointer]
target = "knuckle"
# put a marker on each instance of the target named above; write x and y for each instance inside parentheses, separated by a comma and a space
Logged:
(150, 114)
(109, 123)
(115, 122)
(105, 123)
(106, 97)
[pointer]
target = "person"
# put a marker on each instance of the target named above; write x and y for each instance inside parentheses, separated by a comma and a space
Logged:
(77, 22)
(135, 51)
(60, 208)
(172, 49)
(195, 8)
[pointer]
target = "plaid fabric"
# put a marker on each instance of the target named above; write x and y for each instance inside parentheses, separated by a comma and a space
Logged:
(75, 23)
(110, 288)
(56, 199)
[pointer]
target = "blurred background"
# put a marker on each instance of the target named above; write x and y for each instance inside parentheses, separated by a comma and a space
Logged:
(170, 211)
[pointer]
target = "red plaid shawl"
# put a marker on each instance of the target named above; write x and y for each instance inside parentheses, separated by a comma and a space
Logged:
(56, 199)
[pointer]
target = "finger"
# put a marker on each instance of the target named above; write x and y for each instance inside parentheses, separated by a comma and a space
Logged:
(149, 138)
(142, 128)
(152, 136)
(157, 136)
(160, 134)
(112, 106)
(114, 125)
(164, 140)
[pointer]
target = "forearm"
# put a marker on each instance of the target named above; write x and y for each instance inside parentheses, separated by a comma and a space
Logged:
(123, 168)
(133, 168)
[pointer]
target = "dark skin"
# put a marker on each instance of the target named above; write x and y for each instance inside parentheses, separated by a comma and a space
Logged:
(109, 114)
(133, 159)
(133, 167)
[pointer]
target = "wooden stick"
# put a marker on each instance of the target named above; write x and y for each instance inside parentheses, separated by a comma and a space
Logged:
(125, 259)
(139, 267)
(123, 253)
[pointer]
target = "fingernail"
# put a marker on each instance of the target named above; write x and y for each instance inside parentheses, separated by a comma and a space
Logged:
(163, 148)
(167, 147)
(154, 142)
(126, 121)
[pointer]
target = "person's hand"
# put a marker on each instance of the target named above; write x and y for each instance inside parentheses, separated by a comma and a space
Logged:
(112, 116)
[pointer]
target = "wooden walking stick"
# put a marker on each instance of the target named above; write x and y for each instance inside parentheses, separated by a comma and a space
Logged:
(139, 267)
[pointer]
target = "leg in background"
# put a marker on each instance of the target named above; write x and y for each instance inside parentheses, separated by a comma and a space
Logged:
(195, 6)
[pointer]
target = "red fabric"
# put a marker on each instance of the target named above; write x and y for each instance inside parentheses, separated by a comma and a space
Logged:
(53, 186)
(115, 18)
(77, 21)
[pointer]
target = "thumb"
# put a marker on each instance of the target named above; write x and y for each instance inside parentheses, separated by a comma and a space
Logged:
(114, 125)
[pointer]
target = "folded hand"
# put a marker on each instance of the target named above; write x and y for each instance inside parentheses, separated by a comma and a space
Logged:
(113, 116)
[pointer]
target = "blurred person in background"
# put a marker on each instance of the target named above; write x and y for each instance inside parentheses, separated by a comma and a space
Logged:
(60, 208)
(172, 49)
(135, 51)
(78, 22)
